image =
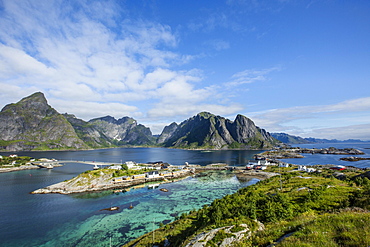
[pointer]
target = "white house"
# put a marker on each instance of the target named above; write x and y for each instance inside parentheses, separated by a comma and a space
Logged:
(305, 169)
(302, 168)
(259, 163)
(153, 174)
(117, 167)
(130, 164)
(283, 165)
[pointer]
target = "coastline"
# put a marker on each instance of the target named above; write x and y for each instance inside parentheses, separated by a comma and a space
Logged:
(20, 168)
(99, 185)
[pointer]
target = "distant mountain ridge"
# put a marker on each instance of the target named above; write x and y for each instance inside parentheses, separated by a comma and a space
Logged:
(291, 139)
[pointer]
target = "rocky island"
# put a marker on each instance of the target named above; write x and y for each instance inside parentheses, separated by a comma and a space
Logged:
(353, 158)
(296, 152)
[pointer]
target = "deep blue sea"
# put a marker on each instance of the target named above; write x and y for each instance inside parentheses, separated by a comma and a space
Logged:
(76, 220)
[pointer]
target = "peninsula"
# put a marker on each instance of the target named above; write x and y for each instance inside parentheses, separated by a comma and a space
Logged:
(14, 162)
(117, 177)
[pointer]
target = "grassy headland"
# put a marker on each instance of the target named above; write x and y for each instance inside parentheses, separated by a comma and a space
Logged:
(294, 209)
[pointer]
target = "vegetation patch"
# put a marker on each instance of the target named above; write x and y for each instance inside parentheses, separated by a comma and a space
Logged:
(294, 209)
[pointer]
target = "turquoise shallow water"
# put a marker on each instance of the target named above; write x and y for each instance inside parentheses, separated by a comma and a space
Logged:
(87, 225)
(151, 207)
(76, 220)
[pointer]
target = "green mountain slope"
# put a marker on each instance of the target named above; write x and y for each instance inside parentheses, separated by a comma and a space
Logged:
(32, 124)
(208, 131)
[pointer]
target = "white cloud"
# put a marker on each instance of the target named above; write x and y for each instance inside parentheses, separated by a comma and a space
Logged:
(250, 76)
(15, 61)
(361, 132)
(325, 121)
(91, 60)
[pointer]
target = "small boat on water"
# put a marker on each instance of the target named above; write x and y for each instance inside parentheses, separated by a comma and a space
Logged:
(131, 207)
(164, 190)
(112, 208)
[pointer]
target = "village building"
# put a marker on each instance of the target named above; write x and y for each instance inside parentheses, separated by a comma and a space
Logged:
(130, 164)
(117, 179)
(115, 167)
(306, 169)
(138, 176)
(152, 174)
(283, 165)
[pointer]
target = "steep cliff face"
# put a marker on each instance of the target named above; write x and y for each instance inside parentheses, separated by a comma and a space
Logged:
(206, 130)
(32, 124)
(167, 132)
(89, 133)
(124, 130)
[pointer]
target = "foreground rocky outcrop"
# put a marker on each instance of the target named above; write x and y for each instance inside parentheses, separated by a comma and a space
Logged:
(204, 238)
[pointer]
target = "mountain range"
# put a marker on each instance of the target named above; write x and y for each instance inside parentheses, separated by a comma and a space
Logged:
(291, 139)
(32, 124)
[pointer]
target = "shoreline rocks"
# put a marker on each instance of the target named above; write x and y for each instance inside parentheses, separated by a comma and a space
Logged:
(289, 153)
(20, 168)
(101, 183)
(353, 158)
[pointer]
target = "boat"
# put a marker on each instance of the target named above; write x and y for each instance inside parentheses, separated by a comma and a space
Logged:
(131, 207)
(112, 208)
(164, 190)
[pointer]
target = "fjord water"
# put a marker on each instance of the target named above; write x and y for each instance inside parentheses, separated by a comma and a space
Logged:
(334, 159)
(76, 220)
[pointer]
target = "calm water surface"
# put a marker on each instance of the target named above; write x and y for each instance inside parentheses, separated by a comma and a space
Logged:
(76, 220)
(323, 159)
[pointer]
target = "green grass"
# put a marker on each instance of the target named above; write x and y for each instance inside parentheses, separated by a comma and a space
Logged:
(313, 209)
(339, 229)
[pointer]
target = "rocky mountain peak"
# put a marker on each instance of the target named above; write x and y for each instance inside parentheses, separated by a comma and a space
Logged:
(33, 124)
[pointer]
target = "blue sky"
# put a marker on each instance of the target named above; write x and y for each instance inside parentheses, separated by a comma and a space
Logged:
(301, 67)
